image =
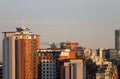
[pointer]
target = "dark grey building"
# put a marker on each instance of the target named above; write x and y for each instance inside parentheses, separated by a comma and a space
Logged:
(1, 70)
(117, 39)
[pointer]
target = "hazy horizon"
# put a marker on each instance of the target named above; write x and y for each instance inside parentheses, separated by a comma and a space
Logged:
(89, 22)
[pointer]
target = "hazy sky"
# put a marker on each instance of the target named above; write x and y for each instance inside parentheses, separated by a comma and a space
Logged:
(90, 22)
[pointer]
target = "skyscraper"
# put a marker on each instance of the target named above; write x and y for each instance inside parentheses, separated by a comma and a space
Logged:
(20, 58)
(117, 39)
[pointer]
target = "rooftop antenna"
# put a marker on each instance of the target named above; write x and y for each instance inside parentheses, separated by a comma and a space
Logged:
(23, 25)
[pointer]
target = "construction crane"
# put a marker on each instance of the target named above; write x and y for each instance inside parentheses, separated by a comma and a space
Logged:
(51, 44)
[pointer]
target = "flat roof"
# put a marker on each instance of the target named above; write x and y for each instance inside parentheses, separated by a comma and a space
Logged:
(8, 32)
(48, 50)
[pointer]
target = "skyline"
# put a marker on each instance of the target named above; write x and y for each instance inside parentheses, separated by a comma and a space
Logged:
(22, 58)
(91, 23)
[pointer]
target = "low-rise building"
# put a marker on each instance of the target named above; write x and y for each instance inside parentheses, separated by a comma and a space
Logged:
(110, 72)
(69, 45)
(67, 54)
(109, 54)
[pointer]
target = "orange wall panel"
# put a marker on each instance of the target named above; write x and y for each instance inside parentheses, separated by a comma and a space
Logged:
(72, 55)
(22, 59)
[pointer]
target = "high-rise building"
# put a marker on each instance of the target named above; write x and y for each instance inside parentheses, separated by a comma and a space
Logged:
(117, 39)
(48, 67)
(73, 69)
(50, 61)
(20, 59)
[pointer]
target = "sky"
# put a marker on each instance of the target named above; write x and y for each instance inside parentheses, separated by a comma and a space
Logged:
(89, 22)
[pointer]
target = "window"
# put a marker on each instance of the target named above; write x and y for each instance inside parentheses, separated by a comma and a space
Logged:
(43, 64)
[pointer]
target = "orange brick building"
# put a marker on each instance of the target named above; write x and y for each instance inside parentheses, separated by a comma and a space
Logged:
(69, 45)
(67, 54)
